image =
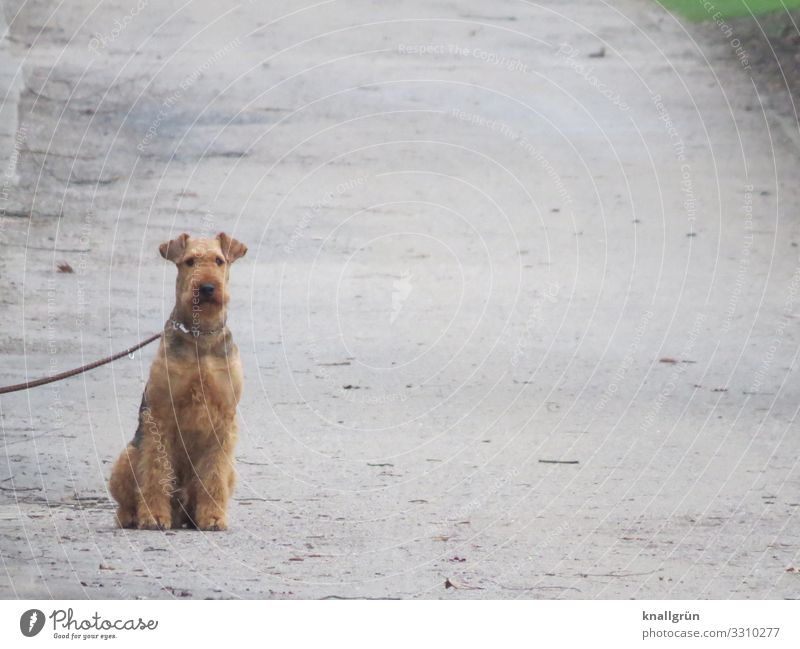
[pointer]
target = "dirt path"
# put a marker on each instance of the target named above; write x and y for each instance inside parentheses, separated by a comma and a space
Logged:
(481, 241)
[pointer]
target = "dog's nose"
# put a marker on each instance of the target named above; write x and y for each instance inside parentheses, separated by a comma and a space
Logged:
(206, 290)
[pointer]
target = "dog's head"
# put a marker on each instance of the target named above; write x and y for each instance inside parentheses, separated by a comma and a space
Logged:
(201, 289)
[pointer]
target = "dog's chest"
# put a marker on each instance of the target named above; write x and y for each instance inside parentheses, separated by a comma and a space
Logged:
(206, 391)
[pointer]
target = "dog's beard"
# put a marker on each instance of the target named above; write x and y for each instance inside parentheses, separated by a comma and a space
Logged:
(211, 301)
(208, 310)
(203, 312)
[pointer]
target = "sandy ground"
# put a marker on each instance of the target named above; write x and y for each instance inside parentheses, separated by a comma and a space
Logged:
(482, 239)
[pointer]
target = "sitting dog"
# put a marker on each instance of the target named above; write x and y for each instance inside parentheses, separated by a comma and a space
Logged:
(178, 470)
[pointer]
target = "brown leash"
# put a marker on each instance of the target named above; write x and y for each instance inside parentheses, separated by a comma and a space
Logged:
(79, 370)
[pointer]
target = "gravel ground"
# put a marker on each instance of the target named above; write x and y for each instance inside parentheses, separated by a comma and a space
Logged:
(518, 320)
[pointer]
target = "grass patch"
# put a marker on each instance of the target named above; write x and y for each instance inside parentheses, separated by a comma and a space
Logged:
(696, 11)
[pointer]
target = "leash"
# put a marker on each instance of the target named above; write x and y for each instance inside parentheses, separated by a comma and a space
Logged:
(78, 370)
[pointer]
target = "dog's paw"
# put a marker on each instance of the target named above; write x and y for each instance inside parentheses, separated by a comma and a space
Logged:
(150, 522)
(125, 519)
(213, 525)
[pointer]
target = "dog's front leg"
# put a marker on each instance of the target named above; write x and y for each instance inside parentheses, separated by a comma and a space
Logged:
(157, 476)
(212, 489)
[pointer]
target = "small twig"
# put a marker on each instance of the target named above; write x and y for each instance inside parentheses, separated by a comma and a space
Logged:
(524, 588)
(364, 598)
(559, 461)
(51, 249)
(616, 574)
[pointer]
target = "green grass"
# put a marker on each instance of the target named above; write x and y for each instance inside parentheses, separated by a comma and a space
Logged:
(694, 9)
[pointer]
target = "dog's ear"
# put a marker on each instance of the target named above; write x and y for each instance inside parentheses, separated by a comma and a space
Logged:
(231, 248)
(173, 250)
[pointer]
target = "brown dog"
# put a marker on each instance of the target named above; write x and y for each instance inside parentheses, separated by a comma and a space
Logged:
(179, 467)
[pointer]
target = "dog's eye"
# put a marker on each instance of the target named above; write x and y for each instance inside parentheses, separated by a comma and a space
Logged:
(220, 261)
(190, 262)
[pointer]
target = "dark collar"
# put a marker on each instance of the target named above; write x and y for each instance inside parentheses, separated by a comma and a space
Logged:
(179, 326)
